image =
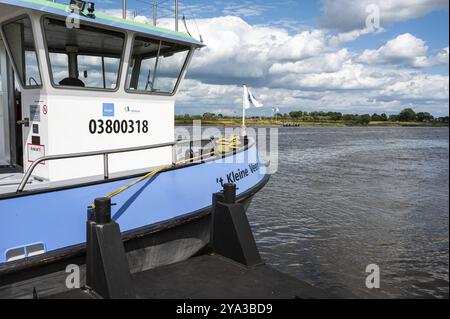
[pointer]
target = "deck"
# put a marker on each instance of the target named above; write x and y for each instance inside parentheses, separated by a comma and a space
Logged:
(212, 277)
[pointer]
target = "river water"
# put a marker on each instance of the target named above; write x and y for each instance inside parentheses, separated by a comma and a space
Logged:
(344, 198)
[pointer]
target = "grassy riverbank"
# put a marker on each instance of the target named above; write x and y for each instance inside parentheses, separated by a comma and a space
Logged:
(268, 122)
(407, 117)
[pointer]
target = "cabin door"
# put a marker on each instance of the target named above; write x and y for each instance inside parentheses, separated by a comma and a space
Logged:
(11, 143)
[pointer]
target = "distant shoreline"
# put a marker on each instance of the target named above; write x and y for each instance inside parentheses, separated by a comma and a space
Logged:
(250, 122)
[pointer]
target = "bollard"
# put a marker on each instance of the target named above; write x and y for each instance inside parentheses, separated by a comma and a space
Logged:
(231, 234)
(107, 270)
(102, 210)
(229, 193)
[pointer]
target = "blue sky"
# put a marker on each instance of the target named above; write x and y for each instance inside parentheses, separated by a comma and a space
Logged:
(313, 54)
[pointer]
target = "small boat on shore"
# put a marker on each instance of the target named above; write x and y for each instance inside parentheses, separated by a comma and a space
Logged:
(87, 110)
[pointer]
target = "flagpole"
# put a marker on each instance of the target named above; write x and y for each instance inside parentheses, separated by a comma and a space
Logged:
(244, 97)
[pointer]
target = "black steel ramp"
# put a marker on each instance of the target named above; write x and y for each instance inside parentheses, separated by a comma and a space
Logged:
(211, 277)
(215, 277)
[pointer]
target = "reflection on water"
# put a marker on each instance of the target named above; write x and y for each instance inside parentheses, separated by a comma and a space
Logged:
(348, 197)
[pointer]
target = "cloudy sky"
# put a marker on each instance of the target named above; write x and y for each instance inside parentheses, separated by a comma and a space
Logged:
(361, 56)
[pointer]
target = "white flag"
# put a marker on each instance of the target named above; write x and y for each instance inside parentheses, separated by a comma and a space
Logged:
(249, 99)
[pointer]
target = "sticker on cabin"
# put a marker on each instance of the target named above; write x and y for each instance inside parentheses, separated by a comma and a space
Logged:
(35, 152)
(35, 113)
(131, 109)
(108, 109)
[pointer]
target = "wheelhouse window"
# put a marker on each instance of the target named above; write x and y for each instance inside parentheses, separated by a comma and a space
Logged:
(20, 40)
(86, 57)
(156, 66)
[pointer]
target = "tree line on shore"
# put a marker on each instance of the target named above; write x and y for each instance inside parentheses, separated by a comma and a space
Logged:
(406, 115)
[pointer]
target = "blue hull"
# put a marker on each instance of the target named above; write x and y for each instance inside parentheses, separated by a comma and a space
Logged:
(57, 219)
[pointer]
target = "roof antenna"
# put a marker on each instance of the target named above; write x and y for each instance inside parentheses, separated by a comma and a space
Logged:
(198, 30)
(185, 26)
(196, 25)
(124, 9)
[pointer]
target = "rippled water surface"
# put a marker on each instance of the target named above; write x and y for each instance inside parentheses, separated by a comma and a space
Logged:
(344, 198)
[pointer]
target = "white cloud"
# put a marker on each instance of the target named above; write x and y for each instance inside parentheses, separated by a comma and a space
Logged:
(341, 38)
(237, 50)
(118, 13)
(443, 57)
(326, 63)
(427, 93)
(301, 71)
(404, 49)
(349, 15)
(351, 76)
(142, 19)
(419, 87)
(305, 70)
(300, 46)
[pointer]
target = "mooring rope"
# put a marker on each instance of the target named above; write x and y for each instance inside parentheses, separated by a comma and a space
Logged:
(224, 146)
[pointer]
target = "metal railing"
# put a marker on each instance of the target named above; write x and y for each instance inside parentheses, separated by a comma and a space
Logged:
(202, 144)
(105, 154)
(155, 11)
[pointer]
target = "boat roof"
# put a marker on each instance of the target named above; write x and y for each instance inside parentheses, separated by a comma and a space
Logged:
(104, 19)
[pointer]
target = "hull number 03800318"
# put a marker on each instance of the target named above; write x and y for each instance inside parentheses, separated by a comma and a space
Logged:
(118, 126)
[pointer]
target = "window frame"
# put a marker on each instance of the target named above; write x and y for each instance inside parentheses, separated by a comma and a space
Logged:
(13, 61)
(183, 69)
(92, 25)
(103, 57)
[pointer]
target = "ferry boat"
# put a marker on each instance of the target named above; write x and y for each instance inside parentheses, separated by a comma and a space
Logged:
(87, 110)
